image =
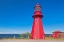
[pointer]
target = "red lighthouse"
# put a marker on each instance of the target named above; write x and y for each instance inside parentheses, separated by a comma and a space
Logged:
(37, 28)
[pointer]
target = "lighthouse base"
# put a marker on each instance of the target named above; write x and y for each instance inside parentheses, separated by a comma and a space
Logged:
(37, 38)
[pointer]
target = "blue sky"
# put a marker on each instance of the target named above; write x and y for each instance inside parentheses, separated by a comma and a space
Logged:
(16, 15)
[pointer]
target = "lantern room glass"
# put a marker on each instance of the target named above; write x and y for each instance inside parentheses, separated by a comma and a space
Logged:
(37, 9)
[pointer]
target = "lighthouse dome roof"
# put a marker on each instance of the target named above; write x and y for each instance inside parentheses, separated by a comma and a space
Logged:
(37, 4)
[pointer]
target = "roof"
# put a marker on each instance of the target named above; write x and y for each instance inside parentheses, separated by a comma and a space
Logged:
(57, 31)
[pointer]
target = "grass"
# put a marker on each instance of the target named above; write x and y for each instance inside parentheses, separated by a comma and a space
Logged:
(47, 38)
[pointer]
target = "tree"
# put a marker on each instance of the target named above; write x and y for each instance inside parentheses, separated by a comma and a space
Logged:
(22, 36)
(28, 34)
(61, 35)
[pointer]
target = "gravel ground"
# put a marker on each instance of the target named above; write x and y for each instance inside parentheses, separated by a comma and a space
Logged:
(31, 40)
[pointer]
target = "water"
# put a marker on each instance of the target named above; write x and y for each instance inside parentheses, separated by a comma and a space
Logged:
(9, 35)
(12, 35)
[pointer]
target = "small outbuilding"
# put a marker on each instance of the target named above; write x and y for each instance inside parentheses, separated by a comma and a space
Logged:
(57, 34)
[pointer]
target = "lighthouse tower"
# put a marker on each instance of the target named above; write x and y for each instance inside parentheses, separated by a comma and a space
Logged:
(37, 31)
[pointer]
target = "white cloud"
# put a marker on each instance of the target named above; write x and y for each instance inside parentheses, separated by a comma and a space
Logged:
(11, 32)
(1, 32)
(14, 30)
(7, 32)
(18, 30)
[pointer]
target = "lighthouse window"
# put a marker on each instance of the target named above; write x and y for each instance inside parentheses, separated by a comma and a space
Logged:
(36, 20)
